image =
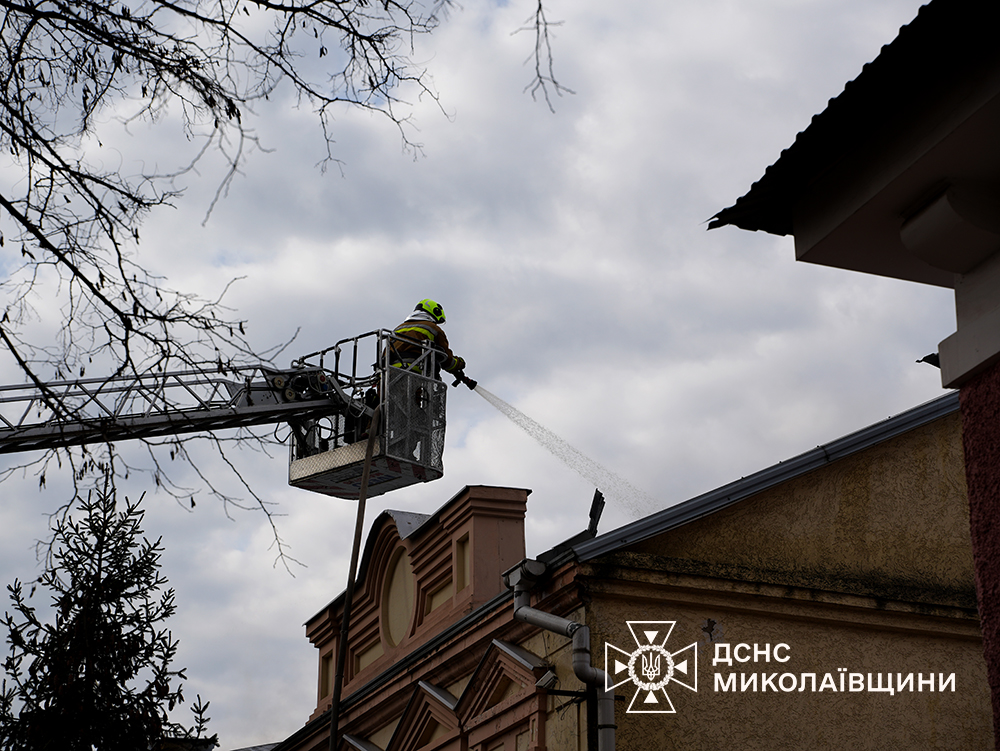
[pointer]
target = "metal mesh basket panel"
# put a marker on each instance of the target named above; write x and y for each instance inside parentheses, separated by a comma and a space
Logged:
(415, 418)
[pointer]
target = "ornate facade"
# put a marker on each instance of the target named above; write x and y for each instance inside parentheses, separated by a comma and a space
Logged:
(848, 563)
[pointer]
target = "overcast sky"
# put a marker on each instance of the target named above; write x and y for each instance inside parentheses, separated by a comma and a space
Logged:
(570, 252)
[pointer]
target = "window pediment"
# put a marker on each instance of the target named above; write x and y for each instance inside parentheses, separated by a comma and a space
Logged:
(505, 672)
(428, 721)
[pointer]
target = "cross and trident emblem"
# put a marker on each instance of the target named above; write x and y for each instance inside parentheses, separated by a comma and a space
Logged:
(651, 667)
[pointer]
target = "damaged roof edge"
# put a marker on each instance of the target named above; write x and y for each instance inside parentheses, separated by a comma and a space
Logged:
(718, 499)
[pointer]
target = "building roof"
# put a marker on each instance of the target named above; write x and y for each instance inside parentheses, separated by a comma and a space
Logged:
(407, 522)
(585, 547)
(727, 495)
(930, 57)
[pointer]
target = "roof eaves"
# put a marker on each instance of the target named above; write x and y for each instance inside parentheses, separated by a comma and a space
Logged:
(902, 73)
(727, 495)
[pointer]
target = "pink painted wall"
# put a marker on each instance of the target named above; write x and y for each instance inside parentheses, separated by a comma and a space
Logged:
(980, 400)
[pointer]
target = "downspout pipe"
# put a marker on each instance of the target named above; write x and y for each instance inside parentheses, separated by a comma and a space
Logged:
(522, 578)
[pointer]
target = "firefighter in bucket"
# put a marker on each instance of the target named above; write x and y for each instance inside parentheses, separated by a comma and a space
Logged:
(423, 325)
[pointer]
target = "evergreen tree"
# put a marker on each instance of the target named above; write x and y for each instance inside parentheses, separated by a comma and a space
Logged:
(100, 676)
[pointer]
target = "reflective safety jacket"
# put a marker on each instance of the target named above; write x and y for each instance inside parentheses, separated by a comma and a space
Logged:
(419, 330)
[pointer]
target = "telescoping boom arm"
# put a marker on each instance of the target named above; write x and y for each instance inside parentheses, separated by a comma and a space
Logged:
(327, 398)
(72, 413)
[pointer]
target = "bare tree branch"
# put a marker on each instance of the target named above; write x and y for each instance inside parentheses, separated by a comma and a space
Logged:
(544, 79)
(65, 64)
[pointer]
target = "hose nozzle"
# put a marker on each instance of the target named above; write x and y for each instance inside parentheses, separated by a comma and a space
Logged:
(460, 377)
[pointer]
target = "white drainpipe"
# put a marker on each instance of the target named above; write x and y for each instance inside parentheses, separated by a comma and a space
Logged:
(521, 579)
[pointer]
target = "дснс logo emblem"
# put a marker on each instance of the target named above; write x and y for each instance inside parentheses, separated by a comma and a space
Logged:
(651, 667)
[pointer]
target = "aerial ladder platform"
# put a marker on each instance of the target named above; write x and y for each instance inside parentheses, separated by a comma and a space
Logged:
(328, 399)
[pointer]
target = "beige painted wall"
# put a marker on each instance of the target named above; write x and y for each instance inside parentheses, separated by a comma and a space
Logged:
(566, 721)
(890, 521)
(863, 566)
(822, 637)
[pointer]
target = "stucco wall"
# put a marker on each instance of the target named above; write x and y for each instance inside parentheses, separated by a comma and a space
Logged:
(822, 637)
(891, 521)
(861, 567)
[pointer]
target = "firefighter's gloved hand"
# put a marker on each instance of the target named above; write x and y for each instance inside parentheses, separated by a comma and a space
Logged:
(459, 365)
